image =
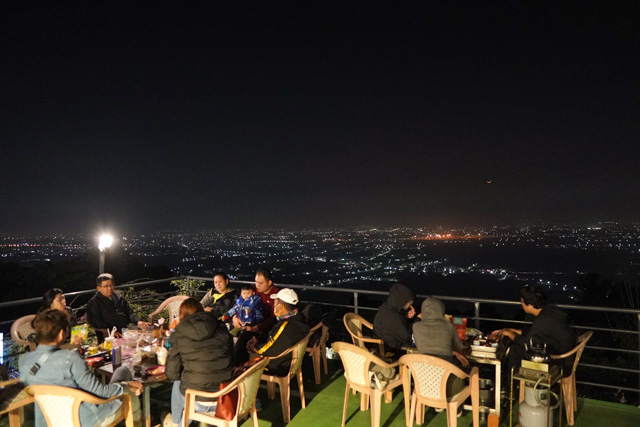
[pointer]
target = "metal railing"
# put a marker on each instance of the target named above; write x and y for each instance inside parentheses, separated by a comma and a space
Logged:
(476, 306)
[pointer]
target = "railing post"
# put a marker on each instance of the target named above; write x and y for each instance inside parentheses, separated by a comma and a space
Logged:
(639, 354)
(355, 302)
(188, 287)
(476, 305)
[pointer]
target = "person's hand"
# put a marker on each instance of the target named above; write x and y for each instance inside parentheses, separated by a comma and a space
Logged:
(208, 308)
(143, 325)
(252, 328)
(463, 360)
(135, 387)
(251, 344)
(236, 322)
(117, 334)
(77, 339)
(496, 334)
(411, 313)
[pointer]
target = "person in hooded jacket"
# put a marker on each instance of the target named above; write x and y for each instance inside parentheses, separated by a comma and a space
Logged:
(392, 323)
(436, 336)
(548, 322)
(199, 357)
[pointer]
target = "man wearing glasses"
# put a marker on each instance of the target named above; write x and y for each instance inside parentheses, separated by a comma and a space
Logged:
(107, 308)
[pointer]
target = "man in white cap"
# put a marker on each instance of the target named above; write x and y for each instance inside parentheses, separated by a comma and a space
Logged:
(289, 330)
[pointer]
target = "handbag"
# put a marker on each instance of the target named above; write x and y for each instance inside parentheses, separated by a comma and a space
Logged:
(227, 403)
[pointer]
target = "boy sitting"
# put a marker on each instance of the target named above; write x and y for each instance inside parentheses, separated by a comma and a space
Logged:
(248, 307)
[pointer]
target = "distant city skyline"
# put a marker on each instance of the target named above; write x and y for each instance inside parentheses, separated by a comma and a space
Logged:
(220, 115)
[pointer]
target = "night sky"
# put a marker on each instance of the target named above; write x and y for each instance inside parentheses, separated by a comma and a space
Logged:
(141, 116)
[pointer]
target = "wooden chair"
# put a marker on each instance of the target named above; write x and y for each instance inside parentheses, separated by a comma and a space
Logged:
(430, 375)
(354, 324)
(247, 385)
(297, 352)
(357, 362)
(569, 383)
(61, 405)
(16, 407)
(172, 304)
(318, 351)
(21, 329)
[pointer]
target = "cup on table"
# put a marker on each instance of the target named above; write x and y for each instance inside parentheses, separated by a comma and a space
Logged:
(161, 355)
(108, 343)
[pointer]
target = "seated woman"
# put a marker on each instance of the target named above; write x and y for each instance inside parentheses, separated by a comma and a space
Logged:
(436, 336)
(199, 357)
(220, 301)
(54, 299)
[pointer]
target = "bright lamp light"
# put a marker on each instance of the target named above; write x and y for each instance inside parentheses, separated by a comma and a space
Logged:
(105, 241)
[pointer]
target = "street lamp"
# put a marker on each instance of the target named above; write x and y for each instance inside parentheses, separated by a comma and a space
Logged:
(105, 241)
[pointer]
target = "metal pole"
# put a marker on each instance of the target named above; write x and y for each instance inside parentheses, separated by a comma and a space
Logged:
(355, 302)
(101, 268)
(188, 288)
(639, 355)
(476, 304)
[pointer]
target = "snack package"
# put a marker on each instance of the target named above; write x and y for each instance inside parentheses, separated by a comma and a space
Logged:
(80, 331)
(461, 327)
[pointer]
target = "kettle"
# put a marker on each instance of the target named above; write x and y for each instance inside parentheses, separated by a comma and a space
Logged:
(537, 350)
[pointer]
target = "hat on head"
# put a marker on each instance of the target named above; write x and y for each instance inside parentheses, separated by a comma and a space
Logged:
(287, 295)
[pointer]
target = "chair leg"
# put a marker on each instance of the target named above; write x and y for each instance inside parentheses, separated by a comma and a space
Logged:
(388, 397)
(323, 354)
(301, 389)
(254, 416)
(127, 410)
(271, 390)
(475, 405)
(521, 397)
(569, 399)
(376, 402)
(346, 402)
(420, 410)
(14, 417)
(315, 357)
(364, 402)
(412, 413)
(285, 400)
(452, 414)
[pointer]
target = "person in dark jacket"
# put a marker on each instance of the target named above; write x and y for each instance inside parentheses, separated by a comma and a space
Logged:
(436, 336)
(107, 308)
(392, 323)
(220, 299)
(549, 323)
(289, 330)
(199, 357)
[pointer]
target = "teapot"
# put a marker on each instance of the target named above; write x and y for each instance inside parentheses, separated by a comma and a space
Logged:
(537, 350)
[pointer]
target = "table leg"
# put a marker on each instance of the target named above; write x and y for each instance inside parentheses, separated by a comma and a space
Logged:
(146, 405)
(498, 385)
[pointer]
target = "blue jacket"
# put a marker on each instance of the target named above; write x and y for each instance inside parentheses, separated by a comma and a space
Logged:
(67, 368)
(248, 310)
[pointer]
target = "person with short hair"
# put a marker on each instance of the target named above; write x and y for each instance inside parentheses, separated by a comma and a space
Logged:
(199, 356)
(108, 308)
(49, 365)
(289, 330)
(221, 297)
(248, 307)
(548, 322)
(265, 289)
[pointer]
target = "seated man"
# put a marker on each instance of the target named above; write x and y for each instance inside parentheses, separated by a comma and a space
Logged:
(549, 323)
(266, 290)
(392, 323)
(50, 365)
(289, 330)
(107, 308)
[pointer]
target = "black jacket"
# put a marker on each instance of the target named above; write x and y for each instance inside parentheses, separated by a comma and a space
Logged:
(552, 325)
(287, 332)
(391, 324)
(222, 304)
(200, 353)
(103, 312)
